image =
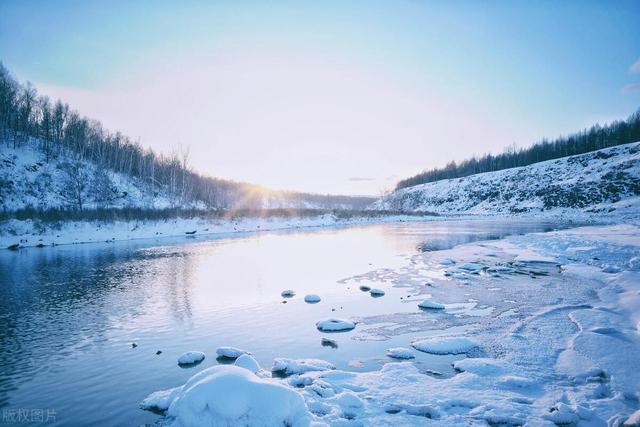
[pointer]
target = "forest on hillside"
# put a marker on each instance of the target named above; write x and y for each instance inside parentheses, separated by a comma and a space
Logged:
(58, 130)
(595, 138)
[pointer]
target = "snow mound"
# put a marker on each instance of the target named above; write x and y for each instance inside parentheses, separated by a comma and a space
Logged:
(440, 345)
(248, 362)
(431, 305)
(226, 395)
(288, 293)
(160, 400)
(335, 325)
(230, 352)
(191, 357)
(311, 298)
(400, 353)
(375, 292)
(300, 366)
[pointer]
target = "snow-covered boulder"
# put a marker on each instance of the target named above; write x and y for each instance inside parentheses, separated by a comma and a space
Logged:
(400, 353)
(300, 366)
(335, 325)
(230, 352)
(311, 298)
(248, 362)
(226, 395)
(191, 357)
(429, 304)
(376, 292)
(441, 345)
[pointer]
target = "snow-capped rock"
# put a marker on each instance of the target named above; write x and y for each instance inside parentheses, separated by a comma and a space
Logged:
(441, 345)
(400, 353)
(230, 352)
(429, 304)
(311, 298)
(300, 366)
(190, 358)
(335, 325)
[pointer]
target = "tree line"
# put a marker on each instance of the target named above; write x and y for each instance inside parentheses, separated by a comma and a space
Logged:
(595, 138)
(58, 129)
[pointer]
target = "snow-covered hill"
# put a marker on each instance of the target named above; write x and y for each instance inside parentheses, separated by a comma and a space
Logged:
(599, 181)
(29, 180)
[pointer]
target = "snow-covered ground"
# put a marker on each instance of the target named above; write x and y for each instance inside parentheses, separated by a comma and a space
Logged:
(602, 181)
(34, 233)
(546, 327)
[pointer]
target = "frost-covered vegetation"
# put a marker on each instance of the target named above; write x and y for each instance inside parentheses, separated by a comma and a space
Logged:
(595, 138)
(602, 181)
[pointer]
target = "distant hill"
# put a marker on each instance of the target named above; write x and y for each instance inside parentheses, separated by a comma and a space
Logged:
(599, 181)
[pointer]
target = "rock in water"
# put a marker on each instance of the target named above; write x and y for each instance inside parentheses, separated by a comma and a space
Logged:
(335, 325)
(191, 357)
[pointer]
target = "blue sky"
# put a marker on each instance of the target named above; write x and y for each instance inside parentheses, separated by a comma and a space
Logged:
(344, 96)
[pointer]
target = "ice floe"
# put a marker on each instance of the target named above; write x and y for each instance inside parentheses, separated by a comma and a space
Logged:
(311, 298)
(375, 292)
(431, 305)
(400, 353)
(443, 345)
(335, 325)
(191, 357)
(230, 352)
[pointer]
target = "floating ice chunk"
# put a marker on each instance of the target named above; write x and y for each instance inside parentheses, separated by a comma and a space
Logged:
(287, 293)
(230, 352)
(611, 269)
(247, 361)
(447, 261)
(431, 305)
(441, 345)
(229, 395)
(191, 357)
(480, 366)
(311, 298)
(300, 366)
(160, 400)
(375, 292)
(335, 325)
(400, 353)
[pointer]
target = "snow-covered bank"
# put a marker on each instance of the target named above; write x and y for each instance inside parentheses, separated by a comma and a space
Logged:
(38, 233)
(547, 324)
(600, 181)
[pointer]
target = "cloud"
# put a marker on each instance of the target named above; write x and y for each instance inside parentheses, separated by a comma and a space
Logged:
(635, 67)
(360, 178)
(630, 88)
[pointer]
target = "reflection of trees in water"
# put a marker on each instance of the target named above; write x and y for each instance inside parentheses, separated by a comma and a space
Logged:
(55, 300)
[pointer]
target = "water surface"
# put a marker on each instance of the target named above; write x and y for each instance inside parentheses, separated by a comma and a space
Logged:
(69, 314)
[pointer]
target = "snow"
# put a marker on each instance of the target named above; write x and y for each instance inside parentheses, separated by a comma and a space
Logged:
(431, 305)
(335, 325)
(400, 353)
(248, 362)
(375, 292)
(228, 395)
(443, 345)
(595, 182)
(300, 366)
(190, 358)
(311, 298)
(230, 352)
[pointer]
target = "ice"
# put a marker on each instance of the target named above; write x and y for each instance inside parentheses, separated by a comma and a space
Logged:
(288, 293)
(481, 366)
(375, 292)
(248, 362)
(441, 345)
(472, 267)
(300, 366)
(611, 269)
(230, 352)
(400, 353)
(431, 305)
(227, 395)
(447, 261)
(311, 298)
(190, 358)
(160, 400)
(335, 325)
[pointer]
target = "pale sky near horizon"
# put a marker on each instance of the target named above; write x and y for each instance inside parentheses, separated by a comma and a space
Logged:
(330, 97)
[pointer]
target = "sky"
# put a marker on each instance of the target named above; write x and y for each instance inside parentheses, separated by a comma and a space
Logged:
(343, 97)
